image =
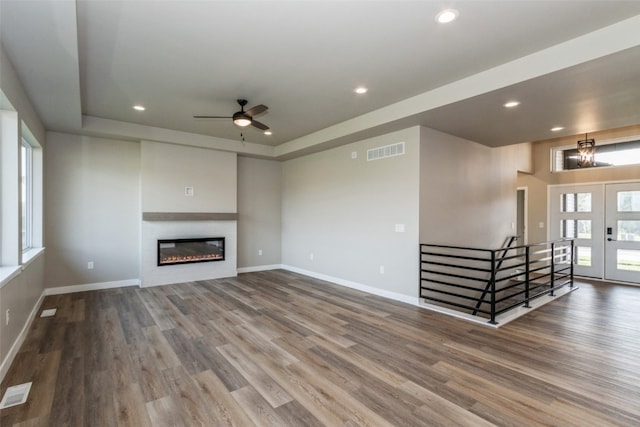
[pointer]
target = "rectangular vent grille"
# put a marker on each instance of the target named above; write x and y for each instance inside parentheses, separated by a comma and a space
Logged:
(386, 151)
(15, 395)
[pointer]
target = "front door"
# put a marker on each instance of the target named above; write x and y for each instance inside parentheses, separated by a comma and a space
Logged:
(576, 212)
(604, 220)
(622, 244)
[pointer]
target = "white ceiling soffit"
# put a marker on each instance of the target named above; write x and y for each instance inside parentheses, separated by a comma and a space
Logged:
(40, 38)
(304, 58)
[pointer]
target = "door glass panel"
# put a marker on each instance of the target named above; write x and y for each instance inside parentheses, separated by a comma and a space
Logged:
(628, 260)
(629, 231)
(576, 202)
(575, 228)
(584, 255)
(628, 201)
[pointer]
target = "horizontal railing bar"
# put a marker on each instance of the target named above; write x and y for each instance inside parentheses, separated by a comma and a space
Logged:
(464, 267)
(465, 257)
(509, 307)
(509, 257)
(557, 242)
(458, 276)
(456, 247)
(448, 293)
(467, 307)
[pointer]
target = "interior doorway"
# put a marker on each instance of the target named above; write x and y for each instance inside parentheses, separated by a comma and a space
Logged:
(521, 216)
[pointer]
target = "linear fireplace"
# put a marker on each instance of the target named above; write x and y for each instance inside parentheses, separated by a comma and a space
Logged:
(183, 251)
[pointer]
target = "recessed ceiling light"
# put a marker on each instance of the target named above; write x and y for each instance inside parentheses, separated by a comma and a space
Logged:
(139, 107)
(268, 132)
(511, 104)
(556, 128)
(360, 90)
(446, 16)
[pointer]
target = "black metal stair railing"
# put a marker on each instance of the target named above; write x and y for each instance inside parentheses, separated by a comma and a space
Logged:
(490, 282)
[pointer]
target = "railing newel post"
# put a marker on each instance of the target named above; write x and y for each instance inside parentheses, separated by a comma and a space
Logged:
(493, 288)
(571, 262)
(526, 276)
(553, 268)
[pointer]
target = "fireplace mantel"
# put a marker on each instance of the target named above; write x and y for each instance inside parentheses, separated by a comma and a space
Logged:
(189, 216)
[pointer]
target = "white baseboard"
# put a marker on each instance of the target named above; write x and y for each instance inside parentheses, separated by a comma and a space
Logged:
(354, 285)
(91, 287)
(259, 268)
(13, 351)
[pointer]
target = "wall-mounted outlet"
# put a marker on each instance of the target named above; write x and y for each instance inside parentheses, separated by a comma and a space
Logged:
(7, 316)
(541, 225)
(382, 269)
(90, 265)
(311, 256)
(188, 191)
(354, 154)
(259, 252)
(399, 228)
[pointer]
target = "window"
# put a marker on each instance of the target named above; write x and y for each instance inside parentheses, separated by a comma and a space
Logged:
(612, 154)
(26, 195)
(575, 202)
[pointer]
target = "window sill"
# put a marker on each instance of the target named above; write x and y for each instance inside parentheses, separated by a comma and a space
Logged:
(8, 273)
(29, 256)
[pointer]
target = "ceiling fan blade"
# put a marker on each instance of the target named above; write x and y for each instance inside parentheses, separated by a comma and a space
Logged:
(211, 117)
(256, 110)
(259, 125)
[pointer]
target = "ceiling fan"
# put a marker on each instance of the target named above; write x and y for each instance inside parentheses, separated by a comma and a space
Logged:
(243, 118)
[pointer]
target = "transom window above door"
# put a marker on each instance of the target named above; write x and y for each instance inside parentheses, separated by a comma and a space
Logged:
(608, 154)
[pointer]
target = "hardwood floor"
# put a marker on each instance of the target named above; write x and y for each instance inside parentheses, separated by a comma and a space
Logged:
(280, 349)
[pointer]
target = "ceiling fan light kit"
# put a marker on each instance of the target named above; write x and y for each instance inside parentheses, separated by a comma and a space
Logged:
(240, 119)
(244, 118)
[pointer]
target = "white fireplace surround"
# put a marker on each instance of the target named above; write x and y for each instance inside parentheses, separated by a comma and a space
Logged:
(152, 275)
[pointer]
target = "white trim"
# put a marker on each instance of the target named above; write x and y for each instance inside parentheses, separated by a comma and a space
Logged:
(31, 255)
(91, 287)
(9, 273)
(354, 285)
(504, 318)
(13, 351)
(598, 279)
(576, 184)
(259, 268)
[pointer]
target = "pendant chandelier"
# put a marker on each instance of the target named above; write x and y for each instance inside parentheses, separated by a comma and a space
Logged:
(586, 152)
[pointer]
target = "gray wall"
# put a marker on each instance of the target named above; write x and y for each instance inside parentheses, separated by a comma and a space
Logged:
(92, 204)
(344, 211)
(21, 293)
(259, 212)
(168, 168)
(467, 191)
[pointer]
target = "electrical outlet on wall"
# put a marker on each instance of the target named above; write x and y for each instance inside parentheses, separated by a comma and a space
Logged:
(90, 265)
(259, 252)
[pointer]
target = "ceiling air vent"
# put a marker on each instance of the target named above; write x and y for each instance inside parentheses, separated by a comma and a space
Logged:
(386, 151)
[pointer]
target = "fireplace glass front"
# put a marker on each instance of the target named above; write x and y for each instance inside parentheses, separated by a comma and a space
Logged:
(183, 251)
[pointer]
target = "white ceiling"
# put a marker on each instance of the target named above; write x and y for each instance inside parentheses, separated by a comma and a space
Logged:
(571, 63)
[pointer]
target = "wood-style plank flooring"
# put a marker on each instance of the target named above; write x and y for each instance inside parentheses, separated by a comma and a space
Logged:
(280, 349)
